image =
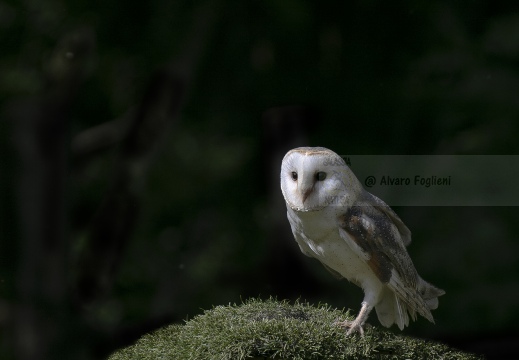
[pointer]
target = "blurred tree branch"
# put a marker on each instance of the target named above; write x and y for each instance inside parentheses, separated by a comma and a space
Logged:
(50, 310)
(113, 223)
(138, 134)
(41, 127)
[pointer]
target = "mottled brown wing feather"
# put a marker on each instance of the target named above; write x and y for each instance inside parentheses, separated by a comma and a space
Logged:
(405, 233)
(374, 232)
(362, 234)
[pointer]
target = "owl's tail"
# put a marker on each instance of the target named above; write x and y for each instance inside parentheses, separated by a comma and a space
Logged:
(429, 293)
(392, 310)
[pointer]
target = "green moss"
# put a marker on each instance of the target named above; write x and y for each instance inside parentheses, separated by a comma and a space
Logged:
(277, 330)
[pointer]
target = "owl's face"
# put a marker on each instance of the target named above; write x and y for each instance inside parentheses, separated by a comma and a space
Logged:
(314, 178)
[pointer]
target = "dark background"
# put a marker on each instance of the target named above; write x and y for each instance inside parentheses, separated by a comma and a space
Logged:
(141, 143)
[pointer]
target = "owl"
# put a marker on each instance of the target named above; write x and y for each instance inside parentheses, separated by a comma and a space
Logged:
(355, 235)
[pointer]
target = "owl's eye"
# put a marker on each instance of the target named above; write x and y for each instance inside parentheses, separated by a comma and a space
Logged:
(320, 176)
(294, 175)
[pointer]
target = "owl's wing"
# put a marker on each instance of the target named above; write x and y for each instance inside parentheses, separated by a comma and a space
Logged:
(295, 225)
(372, 233)
(336, 274)
(305, 249)
(405, 233)
(302, 242)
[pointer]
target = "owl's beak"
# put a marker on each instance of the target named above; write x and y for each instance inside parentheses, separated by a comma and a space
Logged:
(306, 193)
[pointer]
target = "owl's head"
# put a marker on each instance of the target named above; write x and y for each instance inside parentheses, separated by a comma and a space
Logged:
(313, 178)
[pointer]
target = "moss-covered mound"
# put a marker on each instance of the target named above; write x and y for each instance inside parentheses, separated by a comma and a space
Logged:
(277, 330)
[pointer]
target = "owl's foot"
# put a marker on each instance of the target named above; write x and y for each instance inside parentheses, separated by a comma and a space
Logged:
(352, 326)
(357, 325)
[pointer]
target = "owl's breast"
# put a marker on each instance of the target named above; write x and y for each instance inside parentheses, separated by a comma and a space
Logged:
(315, 225)
(318, 236)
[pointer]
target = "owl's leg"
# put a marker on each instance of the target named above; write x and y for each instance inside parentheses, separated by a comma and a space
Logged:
(357, 325)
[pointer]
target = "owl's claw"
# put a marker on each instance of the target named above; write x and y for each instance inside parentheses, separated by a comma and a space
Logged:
(352, 326)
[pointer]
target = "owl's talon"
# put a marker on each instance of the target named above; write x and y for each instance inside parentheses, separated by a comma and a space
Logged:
(343, 324)
(352, 327)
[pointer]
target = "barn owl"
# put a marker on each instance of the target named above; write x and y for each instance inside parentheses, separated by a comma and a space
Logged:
(355, 235)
